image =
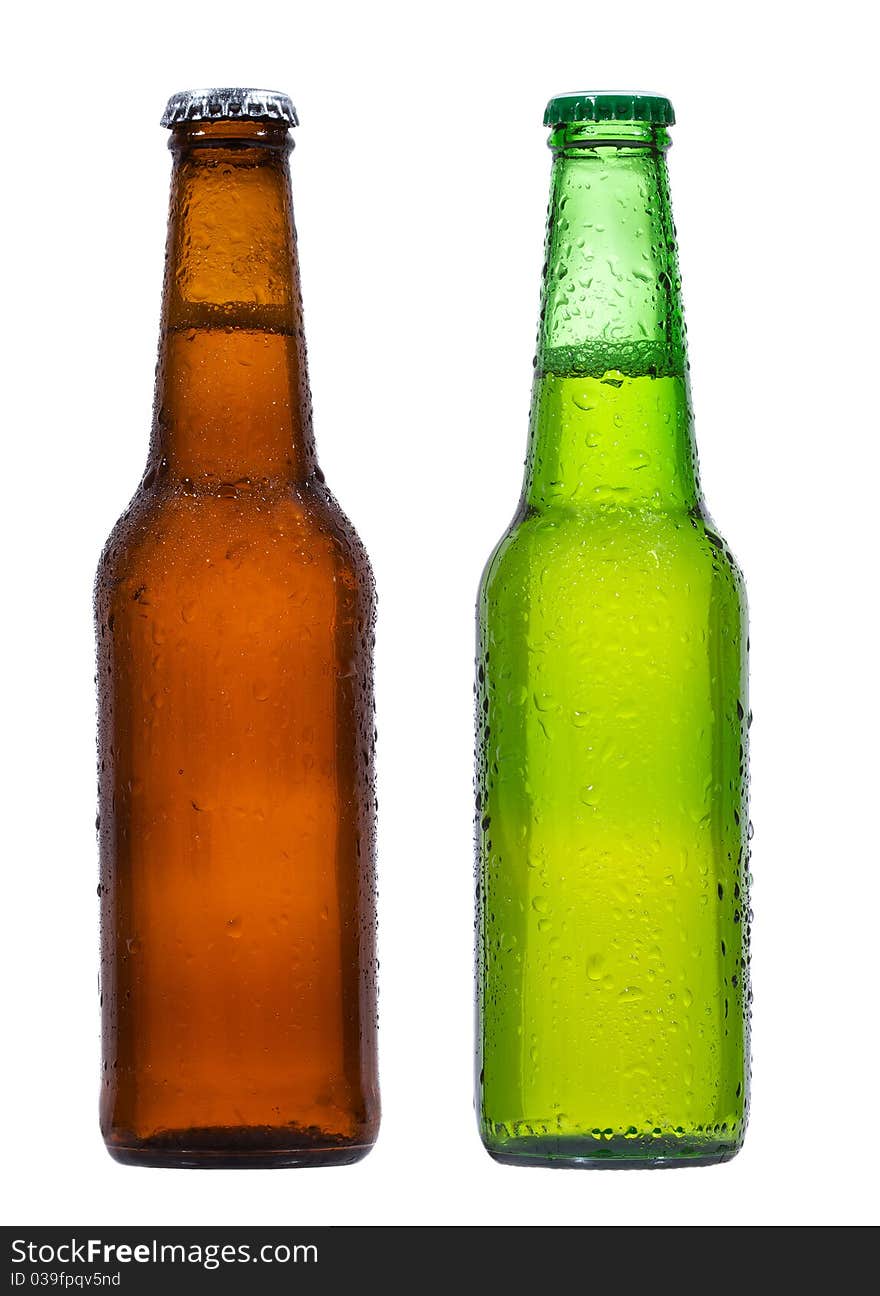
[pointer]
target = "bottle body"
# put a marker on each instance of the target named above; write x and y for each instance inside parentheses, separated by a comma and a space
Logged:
(612, 889)
(612, 955)
(235, 610)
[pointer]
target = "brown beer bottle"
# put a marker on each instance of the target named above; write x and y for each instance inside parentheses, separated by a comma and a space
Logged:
(235, 610)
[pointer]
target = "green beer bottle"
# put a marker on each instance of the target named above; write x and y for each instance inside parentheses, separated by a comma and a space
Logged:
(611, 708)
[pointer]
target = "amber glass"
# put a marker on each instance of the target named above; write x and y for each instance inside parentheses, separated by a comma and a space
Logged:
(235, 611)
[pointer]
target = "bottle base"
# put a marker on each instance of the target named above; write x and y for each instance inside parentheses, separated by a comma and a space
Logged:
(611, 1154)
(235, 1149)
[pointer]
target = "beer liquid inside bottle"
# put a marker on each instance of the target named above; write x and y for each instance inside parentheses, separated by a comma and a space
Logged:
(235, 623)
(612, 710)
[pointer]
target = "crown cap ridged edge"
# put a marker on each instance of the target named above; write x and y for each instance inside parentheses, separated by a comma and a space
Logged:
(609, 105)
(231, 103)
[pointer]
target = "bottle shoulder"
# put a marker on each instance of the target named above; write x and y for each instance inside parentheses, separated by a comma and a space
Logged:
(291, 535)
(560, 547)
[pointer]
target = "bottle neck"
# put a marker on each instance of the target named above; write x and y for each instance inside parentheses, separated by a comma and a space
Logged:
(232, 397)
(611, 421)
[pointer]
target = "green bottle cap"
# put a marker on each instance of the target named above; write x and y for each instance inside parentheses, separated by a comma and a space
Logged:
(609, 106)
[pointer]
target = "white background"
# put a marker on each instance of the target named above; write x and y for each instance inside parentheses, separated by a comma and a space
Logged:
(420, 180)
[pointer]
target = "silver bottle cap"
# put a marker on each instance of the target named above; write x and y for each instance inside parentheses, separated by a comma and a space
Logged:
(228, 104)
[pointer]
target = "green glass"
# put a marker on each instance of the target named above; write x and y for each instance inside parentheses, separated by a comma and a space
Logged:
(613, 917)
